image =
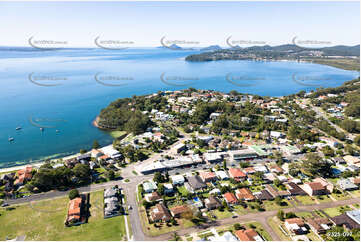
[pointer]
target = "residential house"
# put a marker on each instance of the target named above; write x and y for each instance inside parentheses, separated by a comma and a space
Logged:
(23, 176)
(152, 197)
(168, 188)
(295, 226)
(347, 185)
(222, 175)
(111, 202)
(236, 173)
(212, 203)
(207, 176)
(177, 180)
(226, 237)
(263, 195)
(295, 189)
(248, 235)
(314, 188)
(194, 184)
(244, 194)
(230, 198)
(160, 213)
(328, 185)
(74, 215)
(149, 186)
(349, 220)
(319, 225)
(177, 211)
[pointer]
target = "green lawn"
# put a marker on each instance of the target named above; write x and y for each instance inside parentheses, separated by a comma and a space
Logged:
(274, 222)
(342, 196)
(356, 193)
(324, 199)
(221, 215)
(332, 212)
(44, 220)
(304, 215)
(271, 205)
(182, 190)
(305, 200)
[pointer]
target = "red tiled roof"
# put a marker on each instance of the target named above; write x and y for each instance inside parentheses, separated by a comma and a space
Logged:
(236, 173)
(230, 197)
(74, 207)
(246, 235)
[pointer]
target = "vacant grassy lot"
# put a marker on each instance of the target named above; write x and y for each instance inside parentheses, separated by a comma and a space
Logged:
(332, 212)
(44, 220)
(271, 205)
(342, 196)
(324, 199)
(305, 200)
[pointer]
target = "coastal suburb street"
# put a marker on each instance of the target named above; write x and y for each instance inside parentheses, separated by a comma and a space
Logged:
(135, 221)
(130, 188)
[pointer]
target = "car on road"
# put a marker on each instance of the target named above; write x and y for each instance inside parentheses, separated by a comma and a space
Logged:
(234, 216)
(130, 207)
(4, 205)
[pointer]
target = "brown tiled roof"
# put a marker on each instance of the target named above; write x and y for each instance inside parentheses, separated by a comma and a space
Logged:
(179, 210)
(160, 212)
(297, 221)
(244, 193)
(316, 186)
(345, 220)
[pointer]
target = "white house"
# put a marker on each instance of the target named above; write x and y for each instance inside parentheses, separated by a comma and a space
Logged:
(222, 175)
(177, 179)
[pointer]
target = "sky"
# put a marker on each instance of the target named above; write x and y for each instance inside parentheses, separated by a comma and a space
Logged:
(203, 23)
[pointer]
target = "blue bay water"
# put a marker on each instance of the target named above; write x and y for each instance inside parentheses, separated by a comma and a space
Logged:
(89, 79)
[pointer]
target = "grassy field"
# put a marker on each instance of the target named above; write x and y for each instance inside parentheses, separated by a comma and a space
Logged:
(305, 200)
(271, 205)
(332, 212)
(342, 196)
(44, 220)
(324, 199)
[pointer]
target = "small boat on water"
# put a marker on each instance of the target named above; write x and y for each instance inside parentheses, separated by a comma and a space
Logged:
(11, 139)
(57, 131)
(18, 128)
(41, 129)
